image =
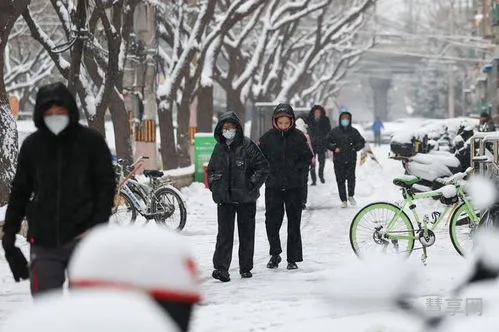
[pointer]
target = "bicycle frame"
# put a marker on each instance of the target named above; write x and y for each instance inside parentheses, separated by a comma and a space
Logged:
(447, 212)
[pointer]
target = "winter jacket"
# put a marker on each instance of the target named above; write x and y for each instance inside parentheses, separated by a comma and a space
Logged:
(377, 126)
(318, 129)
(287, 152)
(348, 140)
(236, 171)
(64, 184)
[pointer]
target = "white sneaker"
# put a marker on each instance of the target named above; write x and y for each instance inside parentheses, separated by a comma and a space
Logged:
(352, 201)
(343, 205)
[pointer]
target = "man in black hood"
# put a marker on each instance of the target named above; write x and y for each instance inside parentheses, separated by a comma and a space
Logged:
(236, 171)
(318, 128)
(345, 141)
(64, 185)
(289, 156)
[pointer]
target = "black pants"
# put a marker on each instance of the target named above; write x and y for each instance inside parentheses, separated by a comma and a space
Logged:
(304, 192)
(345, 172)
(225, 238)
(275, 203)
(377, 138)
(321, 156)
(48, 267)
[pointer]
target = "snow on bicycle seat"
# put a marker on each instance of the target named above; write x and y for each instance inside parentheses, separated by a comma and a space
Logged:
(406, 181)
(152, 173)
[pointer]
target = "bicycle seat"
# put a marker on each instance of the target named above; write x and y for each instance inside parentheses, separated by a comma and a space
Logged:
(152, 173)
(406, 181)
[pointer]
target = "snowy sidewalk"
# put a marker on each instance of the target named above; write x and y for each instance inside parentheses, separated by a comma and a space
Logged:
(282, 300)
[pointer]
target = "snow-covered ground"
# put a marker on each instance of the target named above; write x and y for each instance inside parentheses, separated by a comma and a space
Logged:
(281, 300)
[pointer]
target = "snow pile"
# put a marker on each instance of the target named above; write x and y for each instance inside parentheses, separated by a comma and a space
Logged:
(97, 311)
(429, 171)
(448, 191)
(189, 170)
(376, 280)
(482, 191)
(434, 128)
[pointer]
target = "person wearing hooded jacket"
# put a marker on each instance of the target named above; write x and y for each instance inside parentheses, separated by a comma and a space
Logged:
(289, 156)
(64, 185)
(236, 171)
(345, 141)
(318, 128)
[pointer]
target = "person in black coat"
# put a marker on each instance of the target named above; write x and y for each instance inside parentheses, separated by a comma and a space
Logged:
(318, 128)
(64, 185)
(236, 171)
(345, 141)
(289, 156)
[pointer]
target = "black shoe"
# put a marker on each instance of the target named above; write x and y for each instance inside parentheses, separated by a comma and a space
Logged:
(322, 179)
(246, 275)
(223, 276)
(274, 262)
(313, 184)
(292, 266)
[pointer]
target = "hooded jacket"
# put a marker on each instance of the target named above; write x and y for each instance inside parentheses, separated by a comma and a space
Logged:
(318, 129)
(236, 171)
(347, 139)
(64, 184)
(287, 152)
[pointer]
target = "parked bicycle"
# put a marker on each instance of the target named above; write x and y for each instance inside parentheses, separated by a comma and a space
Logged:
(159, 200)
(386, 227)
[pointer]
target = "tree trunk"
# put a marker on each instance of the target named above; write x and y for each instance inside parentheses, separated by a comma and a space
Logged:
(183, 116)
(77, 52)
(9, 13)
(8, 149)
(167, 149)
(122, 139)
(98, 123)
(205, 110)
(235, 104)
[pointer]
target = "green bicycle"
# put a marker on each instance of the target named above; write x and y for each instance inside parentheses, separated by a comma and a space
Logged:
(387, 228)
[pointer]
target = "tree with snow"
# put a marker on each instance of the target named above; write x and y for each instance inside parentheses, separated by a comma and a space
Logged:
(9, 13)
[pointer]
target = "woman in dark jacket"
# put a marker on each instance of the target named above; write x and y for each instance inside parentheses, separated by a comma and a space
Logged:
(236, 171)
(289, 156)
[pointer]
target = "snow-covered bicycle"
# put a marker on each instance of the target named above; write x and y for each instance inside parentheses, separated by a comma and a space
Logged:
(158, 200)
(387, 228)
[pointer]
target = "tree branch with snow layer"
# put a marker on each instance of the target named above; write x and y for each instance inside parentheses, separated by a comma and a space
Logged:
(66, 17)
(324, 36)
(39, 35)
(167, 90)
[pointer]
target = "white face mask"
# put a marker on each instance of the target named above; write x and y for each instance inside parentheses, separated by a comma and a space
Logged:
(56, 123)
(229, 133)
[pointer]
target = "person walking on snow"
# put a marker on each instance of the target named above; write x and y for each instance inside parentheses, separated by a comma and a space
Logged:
(318, 128)
(236, 171)
(345, 141)
(302, 126)
(64, 185)
(377, 126)
(289, 156)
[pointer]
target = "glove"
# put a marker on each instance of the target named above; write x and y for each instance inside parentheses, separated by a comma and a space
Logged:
(17, 263)
(8, 241)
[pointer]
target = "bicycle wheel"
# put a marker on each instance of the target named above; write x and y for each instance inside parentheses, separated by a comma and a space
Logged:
(462, 230)
(368, 231)
(170, 208)
(123, 213)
